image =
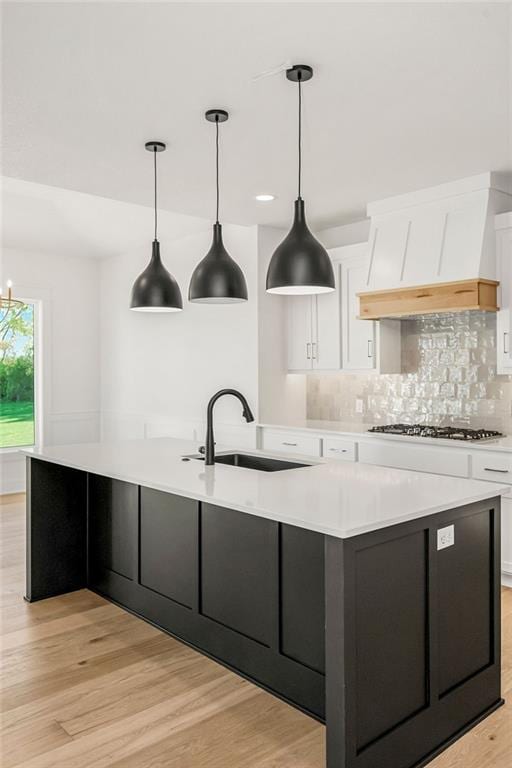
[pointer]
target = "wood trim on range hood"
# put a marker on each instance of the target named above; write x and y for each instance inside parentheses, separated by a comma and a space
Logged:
(458, 296)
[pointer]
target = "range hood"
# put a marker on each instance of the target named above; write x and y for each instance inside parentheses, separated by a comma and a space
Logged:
(433, 250)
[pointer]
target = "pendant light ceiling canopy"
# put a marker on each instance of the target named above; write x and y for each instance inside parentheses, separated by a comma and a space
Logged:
(300, 264)
(217, 279)
(155, 289)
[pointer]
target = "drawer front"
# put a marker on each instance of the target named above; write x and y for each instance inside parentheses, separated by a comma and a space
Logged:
(291, 442)
(495, 467)
(343, 450)
(419, 458)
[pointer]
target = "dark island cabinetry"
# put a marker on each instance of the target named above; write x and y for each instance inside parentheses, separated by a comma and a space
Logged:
(228, 583)
(391, 637)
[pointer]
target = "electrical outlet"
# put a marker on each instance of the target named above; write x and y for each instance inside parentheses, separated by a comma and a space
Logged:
(359, 405)
(445, 537)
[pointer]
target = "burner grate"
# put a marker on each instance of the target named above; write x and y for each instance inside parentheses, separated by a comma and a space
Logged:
(447, 433)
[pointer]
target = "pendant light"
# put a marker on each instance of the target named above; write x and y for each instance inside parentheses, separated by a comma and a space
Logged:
(300, 264)
(217, 279)
(155, 289)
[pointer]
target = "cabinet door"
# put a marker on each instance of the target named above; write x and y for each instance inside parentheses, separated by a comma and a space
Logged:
(504, 319)
(303, 596)
(326, 349)
(358, 335)
(169, 531)
(240, 572)
(113, 522)
(299, 332)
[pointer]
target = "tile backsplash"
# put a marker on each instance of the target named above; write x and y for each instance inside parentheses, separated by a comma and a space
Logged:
(449, 377)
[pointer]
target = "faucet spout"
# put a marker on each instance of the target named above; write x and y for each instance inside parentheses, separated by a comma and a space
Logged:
(210, 443)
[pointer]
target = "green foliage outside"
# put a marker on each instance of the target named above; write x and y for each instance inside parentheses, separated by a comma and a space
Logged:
(16, 376)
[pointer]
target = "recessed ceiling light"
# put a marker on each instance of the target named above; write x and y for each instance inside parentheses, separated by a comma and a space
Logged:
(265, 198)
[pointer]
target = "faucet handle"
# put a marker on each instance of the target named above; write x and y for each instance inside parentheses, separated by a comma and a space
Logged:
(202, 449)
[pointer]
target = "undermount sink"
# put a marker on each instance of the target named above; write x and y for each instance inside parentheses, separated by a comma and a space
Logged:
(249, 461)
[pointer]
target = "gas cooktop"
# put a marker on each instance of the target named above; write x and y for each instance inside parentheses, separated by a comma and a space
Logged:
(447, 433)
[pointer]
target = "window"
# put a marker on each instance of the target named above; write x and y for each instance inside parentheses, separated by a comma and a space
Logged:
(17, 418)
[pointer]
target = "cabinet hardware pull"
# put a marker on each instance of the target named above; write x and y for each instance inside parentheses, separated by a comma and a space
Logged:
(423, 296)
(506, 350)
(463, 290)
(370, 348)
(293, 444)
(308, 350)
(502, 471)
(338, 450)
(314, 350)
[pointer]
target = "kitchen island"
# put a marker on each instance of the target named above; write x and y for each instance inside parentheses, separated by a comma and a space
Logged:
(365, 596)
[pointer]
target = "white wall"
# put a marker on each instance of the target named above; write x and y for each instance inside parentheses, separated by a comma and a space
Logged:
(159, 371)
(66, 289)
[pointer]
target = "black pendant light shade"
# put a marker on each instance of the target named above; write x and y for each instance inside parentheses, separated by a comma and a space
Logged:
(217, 279)
(300, 264)
(155, 289)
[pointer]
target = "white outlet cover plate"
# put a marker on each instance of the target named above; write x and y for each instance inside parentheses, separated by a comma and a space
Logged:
(445, 537)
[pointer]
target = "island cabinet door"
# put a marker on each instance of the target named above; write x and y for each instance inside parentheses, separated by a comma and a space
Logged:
(239, 572)
(169, 546)
(112, 534)
(302, 596)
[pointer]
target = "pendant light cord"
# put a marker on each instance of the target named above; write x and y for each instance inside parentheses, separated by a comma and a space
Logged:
(300, 133)
(217, 163)
(156, 214)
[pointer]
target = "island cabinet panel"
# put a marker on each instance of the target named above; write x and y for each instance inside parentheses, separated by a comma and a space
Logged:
(302, 596)
(239, 572)
(113, 523)
(169, 545)
(412, 637)
(465, 602)
(56, 529)
(391, 588)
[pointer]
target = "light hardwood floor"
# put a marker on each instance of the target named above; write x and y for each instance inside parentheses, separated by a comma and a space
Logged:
(86, 685)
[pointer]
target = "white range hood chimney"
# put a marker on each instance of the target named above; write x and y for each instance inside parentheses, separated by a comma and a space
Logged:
(432, 240)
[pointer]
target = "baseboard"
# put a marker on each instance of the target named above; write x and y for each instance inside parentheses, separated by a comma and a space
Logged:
(506, 579)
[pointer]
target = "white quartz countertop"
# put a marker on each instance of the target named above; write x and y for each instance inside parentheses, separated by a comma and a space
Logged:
(358, 431)
(342, 499)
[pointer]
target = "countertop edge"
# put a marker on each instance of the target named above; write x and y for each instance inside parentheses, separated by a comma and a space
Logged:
(494, 491)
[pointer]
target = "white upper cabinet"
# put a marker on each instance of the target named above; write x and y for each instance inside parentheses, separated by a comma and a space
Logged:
(299, 334)
(358, 336)
(314, 331)
(326, 351)
(504, 266)
(325, 333)
(367, 345)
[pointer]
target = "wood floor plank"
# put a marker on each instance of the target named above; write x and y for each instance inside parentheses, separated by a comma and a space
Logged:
(87, 685)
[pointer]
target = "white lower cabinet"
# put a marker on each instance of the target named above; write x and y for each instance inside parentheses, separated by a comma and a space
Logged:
(342, 450)
(291, 442)
(506, 537)
(420, 458)
(495, 467)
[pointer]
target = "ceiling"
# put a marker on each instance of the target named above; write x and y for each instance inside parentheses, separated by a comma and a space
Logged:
(404, 96)
(45, 219)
